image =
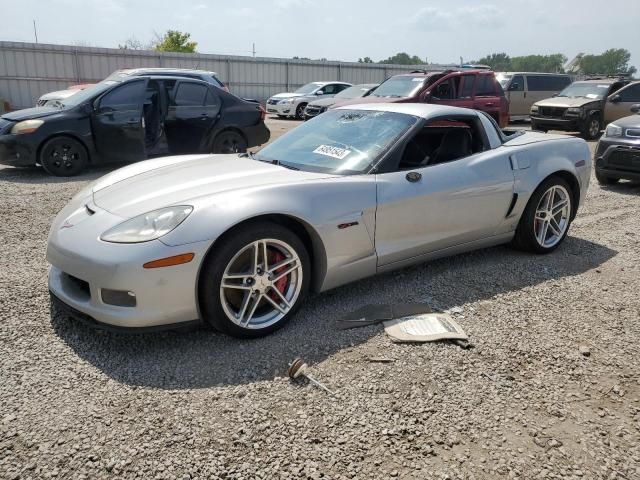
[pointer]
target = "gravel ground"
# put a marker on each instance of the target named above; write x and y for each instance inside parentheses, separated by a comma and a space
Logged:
(526, 402)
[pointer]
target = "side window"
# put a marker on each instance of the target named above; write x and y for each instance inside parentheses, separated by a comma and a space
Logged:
(340, 87)
(331, 89)
(615, 87)
(127, 96)
(443, 140)
(213, 99)
(485, 86)
(517, 84)
(467, 86)
(443, 90)
(630, 94)
(190, 94)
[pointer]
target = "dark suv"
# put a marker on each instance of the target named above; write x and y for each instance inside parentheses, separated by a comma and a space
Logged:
(467, 88)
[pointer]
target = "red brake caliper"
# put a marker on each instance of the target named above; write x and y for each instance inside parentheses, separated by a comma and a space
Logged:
(281, 284)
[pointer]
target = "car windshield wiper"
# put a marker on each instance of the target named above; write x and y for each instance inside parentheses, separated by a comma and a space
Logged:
(264, 160)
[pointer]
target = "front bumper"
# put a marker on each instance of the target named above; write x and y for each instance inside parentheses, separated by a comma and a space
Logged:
(285, 109)
(619, 158)
(83, 267)
(17, 152)
(564, 124)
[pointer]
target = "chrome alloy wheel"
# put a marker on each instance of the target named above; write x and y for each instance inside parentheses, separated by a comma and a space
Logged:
(594, 127)
(261, 283)
(552, 216)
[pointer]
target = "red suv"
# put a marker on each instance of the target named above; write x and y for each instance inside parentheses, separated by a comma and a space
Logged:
(460, 88)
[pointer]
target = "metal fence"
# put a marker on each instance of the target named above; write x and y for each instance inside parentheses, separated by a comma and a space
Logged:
(28, 70)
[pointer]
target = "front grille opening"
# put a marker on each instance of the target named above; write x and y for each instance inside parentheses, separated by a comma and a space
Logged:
(76, 287)
(119, 298)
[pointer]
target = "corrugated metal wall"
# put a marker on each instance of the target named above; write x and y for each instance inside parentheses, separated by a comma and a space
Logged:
(28, 70)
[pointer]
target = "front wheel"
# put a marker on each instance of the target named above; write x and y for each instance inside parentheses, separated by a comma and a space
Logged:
(63, 157)
(300, 111)
(254, 281)
(229, 142)
(606, 180)
(592, 127)
(547, 217)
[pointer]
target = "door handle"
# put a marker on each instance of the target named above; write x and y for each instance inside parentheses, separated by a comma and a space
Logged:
(413, 177)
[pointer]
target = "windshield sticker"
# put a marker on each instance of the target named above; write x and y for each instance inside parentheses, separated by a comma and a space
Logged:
(417, 79)
(334, 152)
(603, 86)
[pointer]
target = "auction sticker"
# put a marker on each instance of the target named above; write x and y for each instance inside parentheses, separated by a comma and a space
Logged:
(334, 152)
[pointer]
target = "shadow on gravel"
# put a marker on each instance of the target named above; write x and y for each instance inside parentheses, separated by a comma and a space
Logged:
(623, 187)
(202, 358)
(37, 175)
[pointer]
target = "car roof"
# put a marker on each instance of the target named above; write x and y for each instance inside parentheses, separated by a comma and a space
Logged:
(158, 70)
(534, 73)
(443, 72)
(602, 80)
(325, 83)
(424, 110)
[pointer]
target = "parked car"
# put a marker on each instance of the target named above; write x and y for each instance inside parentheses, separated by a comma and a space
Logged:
(317, 107)
(475, 88)
(293, 104)
(618, 151)
(238, 241)
(204, 75)
(129, 119)
(58, 96)
(585, 106)
(523, 89)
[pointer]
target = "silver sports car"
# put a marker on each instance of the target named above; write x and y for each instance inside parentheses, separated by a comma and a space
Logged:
(239, 240)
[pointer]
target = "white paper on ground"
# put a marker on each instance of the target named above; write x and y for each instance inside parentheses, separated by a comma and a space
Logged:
(427, 327)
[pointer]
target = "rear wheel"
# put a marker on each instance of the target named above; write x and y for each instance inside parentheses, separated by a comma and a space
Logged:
(63, 156)
(254, 281)
(229, 142)
(605, 180)
(547, 217)
(300, 111)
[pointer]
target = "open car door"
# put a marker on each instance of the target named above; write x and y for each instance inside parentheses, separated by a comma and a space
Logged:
(117, 122)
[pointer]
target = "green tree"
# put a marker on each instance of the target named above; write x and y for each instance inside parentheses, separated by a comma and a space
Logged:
(404, 59)
(499, 62)
(539, 63)
(175, 41)
(365, 60)
(613, 61)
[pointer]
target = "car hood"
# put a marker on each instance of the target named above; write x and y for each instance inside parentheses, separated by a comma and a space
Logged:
(153, 184)
(59, 95)
(30, 113)
(369, 99)
(324, 102)
(632, 121)
(287, 95)
(565, 102)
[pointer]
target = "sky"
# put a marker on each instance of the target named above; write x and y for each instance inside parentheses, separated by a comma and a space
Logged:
(338, 29)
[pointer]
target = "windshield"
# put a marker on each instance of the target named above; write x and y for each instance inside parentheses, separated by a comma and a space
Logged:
(87, 93)
(503, 79)
(343, 142)
(587, 90)
(308, 88)
(353, 92)
(402, 86)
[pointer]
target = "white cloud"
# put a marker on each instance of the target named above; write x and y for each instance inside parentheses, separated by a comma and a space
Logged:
(479, 16)
(286, 4)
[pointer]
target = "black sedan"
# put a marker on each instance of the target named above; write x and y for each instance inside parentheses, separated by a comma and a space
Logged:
(618, 151)
(130, 120)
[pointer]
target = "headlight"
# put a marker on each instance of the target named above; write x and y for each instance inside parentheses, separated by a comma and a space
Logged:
(27, 126)
(613, 131)
(534, 109)
(574, 110)
(288, 101)
(148, 226)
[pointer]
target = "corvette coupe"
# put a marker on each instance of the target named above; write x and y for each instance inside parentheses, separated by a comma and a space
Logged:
(238, 240)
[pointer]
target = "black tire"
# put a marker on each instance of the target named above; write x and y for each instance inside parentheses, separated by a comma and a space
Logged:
(536, 127)
(300, 111)
(282, 117)
(216, 262)
(606, 180)
(63, 156)
(592, 127)
(525, 237)
(229, 141)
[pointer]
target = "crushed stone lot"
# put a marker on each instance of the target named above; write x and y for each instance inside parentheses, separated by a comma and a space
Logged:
(551, 389)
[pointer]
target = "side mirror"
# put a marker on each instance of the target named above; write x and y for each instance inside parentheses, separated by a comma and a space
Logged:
(514, 86)
(615, 99)
(635, 108)
(426, 96)
(320, 92)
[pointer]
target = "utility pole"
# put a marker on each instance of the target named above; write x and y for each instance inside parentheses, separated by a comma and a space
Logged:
(35, 31)
(254, 50)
